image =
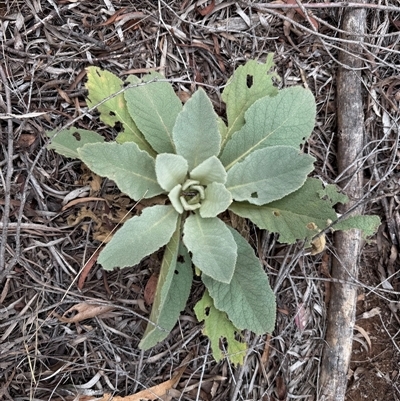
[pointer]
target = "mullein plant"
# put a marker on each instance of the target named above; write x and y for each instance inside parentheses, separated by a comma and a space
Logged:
(249, 163)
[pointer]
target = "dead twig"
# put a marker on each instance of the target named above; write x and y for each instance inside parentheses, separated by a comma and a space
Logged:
(342, 306)
(8, 155)
(340, 4)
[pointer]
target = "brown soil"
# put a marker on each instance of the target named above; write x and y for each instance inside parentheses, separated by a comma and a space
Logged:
(375, 362)
(46, 239)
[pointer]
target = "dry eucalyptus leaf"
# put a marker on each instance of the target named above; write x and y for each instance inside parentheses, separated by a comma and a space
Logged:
(84, 311)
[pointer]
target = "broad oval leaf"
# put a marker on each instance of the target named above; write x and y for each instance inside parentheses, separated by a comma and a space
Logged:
(217, 200)
(285, 119)
(102, 84)
(249, 83)
(213, 248)
(367, 224)
(268, 174)
(248, 299)
(303, 213)
(132, 169)
(139, 237)
(154, 107)
(217, 326)
(223, 129)
(292, 216)
(196, 134)
(68, 141)
(171, 170)
(210, 170)
(173, 289)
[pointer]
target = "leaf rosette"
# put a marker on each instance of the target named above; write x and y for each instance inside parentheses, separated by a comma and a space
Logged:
(253, 166)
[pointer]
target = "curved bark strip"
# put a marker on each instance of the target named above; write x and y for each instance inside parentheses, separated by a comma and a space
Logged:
(341, 316)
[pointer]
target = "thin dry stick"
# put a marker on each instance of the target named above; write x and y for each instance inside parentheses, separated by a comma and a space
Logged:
(341, 4)
(341, 316)
(43, 21)
(7, 182)
(344, 39)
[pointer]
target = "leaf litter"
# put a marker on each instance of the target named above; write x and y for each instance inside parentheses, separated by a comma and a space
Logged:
(49, 269)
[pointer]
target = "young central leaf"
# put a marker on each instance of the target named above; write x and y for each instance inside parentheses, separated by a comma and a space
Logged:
(196, 134)
(268, 174)
(192, 194)
(217, 200)
(210, 170)
(213, 248)
(139, 237)
(171, 170)
(132, 169)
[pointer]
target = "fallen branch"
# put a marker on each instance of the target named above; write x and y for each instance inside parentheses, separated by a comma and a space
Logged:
(6, 181)
(342, 306)
(340, 4)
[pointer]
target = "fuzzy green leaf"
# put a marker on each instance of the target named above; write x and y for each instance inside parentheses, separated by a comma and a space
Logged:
(248, 299)
(285, 119)
(268, 174)
(293, 215)
(210, 170)
(331, 194)
(154, 107)
(132, 169)
(249, 83)
(196, 134)
(102, 84)
(173, 289)
(68, 141)
(139, 237)
(213, 247)
(216, 201)
(216, 327)
(368, 224)
(171, 170)
(174, 197)
(223, 129)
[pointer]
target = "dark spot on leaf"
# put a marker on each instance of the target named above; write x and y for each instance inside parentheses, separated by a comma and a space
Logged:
(176, 272)
(118, 126)
(77, 136)
(181, 259)
(98, 73)
(304, 138)
(112, 113)
(254, 195)
(207, 311)
(249, 81)
(276, 213)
